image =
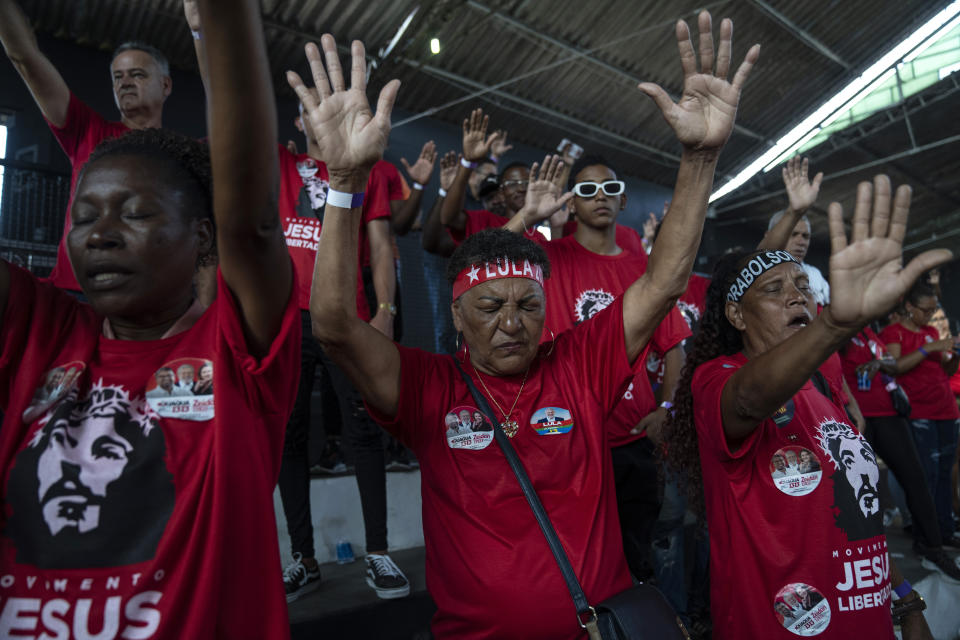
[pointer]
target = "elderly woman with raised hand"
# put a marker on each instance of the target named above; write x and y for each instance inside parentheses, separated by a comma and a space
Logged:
(745, 398)
(488, 567)
(127, 515)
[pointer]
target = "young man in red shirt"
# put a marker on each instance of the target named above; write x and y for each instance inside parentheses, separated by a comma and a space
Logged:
(141, 85)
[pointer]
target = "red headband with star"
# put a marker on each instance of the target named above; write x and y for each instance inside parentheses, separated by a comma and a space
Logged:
(502, 268)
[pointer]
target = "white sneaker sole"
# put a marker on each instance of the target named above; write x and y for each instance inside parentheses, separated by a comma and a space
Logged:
(389, 594)
(930, 566)
(304, 590)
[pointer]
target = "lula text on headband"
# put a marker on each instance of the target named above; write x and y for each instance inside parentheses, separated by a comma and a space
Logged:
(502, 268)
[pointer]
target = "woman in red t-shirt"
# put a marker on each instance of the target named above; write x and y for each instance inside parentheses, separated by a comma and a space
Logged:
(747, 416)
(925, 362)
(867, 368)
(489, 570)
(135, 503)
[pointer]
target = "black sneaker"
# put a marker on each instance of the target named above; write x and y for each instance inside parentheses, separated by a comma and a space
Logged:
(298, 579)
(385, 577)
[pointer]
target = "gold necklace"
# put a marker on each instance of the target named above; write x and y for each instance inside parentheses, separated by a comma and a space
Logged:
(510, 427)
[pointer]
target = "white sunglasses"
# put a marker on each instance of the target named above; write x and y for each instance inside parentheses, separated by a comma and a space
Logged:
(589, 189)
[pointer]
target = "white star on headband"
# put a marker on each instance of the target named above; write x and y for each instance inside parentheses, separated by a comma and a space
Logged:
(473, 273)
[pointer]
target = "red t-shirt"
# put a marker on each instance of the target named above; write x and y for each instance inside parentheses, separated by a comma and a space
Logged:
(303, 195)
(376, 202)
(581, 283)
(832, 371)
(793, 551)
(79, 136)
(693, 302)
(119, 519)
(627, 237)
(955, 383)
(865, 347)
(927, 384)
(489, 569)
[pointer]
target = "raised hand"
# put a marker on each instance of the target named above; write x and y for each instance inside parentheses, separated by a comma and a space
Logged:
(801, 192)
(476, 142)
(650, 227)
(866, 275)
(448, 169)
(349, 137)
(423, 168)
(192, 13)
(499, 146)
(543, 191)
(703, 118)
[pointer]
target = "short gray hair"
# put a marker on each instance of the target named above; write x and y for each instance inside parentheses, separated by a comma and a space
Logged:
(153, 52)
(777, 217)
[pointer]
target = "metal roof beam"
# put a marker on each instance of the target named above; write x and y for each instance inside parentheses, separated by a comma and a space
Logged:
(672, 159)
(520, 26)
(800, 34)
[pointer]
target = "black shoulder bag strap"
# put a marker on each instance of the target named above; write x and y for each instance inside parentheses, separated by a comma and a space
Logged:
(586, 615)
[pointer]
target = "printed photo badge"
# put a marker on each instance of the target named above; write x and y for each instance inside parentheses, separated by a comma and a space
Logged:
(801, 609)
(466, 427)
(56, 384)
(182, 389)
(550, 421)
(795, 470)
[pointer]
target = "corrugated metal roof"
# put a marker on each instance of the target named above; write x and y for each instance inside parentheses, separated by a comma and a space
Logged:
(579, 63)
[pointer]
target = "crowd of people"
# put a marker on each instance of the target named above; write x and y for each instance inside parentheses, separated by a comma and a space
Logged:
(151, 402)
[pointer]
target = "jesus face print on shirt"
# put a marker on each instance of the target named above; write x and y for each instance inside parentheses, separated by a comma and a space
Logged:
(856, 497)
(91, 488)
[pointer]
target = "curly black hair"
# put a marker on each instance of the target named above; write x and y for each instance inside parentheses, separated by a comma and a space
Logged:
(187, 160)
(489, 245)
(590, 160)
(715, 337)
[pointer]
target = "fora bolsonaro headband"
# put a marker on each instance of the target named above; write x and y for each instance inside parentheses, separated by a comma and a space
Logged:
(757, 266)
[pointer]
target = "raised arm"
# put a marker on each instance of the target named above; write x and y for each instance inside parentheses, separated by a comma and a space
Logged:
(419, 173)
(192, 13)
(544, 195)
(868, 278)
(47, 86)
(350, 140)
(435, 237)
(241, 119)
(702, 121)
(801, 193)
(476, 148)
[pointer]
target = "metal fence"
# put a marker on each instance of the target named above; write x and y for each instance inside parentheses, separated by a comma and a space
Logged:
(32, 209)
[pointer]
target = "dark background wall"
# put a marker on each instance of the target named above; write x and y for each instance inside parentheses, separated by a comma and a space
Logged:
(86, 70)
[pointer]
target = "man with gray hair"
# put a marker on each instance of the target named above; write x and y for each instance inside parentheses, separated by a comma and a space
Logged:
(141, 84)
(790, 229)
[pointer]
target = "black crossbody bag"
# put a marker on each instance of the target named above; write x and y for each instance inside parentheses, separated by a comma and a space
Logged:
(639, 613)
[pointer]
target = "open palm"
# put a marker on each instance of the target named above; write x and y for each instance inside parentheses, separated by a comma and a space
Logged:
(801, 191)
(544, 196)
(703, 117)
(866, 276)
(349, 136)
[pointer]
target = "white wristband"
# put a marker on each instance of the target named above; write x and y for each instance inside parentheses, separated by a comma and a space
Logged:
(466, 163)
(442, 192)
(344, 200)
(196, 34)
(418, 186)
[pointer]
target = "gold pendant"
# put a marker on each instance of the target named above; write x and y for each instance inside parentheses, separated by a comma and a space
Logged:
(510, 428)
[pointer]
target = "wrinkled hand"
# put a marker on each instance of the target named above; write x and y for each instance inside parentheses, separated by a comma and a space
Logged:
(448, 169)
(653, 424)
(944, 344)
(866, 275)
(349, 137)
(192, 13)
(476, 142)
(543, 191)
(499, 146)
(703, 118)
(423, 168)
(801, 192)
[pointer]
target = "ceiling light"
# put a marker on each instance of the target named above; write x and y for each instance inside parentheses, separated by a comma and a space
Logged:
(842, 100)
(434, 46)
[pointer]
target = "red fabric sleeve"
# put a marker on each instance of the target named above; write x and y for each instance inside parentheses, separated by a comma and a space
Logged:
(671, 331)
(708, 382)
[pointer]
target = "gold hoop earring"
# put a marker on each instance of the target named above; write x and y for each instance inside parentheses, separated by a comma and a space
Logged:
(553, 343)
(458, 342)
